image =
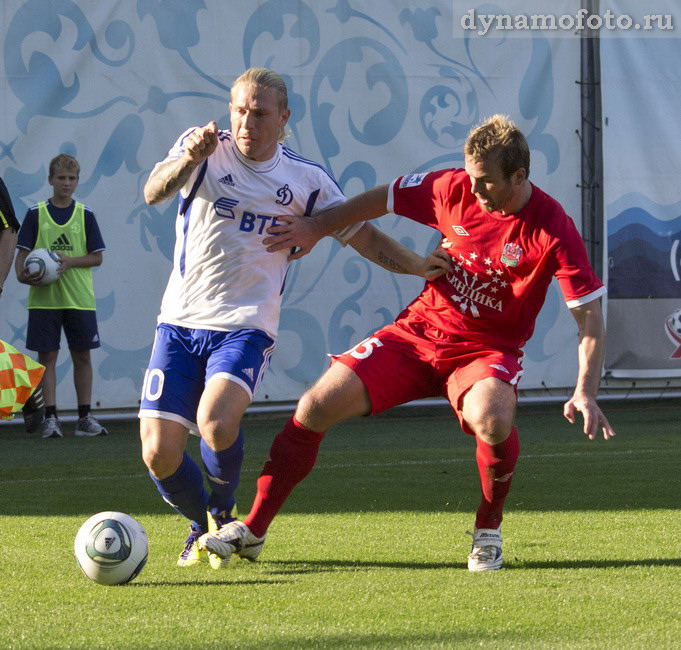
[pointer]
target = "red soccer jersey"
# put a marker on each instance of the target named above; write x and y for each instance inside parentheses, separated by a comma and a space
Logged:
(503, 264)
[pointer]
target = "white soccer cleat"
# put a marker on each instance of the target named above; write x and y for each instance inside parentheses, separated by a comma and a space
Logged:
(486, 552)
(234, 538)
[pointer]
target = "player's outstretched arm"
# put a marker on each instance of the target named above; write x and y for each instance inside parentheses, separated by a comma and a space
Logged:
(167, 179)
(589, 319)
(303, 233)
(375, 245)
(8, 241)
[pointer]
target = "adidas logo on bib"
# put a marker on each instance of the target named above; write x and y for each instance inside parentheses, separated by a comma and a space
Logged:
(62, 243)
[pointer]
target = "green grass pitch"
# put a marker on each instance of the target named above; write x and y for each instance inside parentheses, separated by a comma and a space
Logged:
(370, 550)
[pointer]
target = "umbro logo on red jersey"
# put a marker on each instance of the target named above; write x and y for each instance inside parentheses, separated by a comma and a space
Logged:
(460, 230)
(412, 180)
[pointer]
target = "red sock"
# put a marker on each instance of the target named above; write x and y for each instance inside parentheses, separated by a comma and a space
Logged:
(495, 464)
(292, 457)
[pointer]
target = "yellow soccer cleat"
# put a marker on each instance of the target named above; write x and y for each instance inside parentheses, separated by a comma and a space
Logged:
(215, 523)
(192, 554)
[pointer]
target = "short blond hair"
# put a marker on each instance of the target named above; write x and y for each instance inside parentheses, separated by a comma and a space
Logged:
(64, 161)
(498, 135)
(267, 79)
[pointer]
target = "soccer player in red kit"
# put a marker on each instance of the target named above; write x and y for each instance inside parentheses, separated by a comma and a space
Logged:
(461, 338)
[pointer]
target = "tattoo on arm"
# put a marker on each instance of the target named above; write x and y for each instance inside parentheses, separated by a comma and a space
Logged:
(167, 180)
(390, 264)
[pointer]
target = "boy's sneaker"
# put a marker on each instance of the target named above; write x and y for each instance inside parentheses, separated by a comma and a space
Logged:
(192, 554)
(215, 523)
(34, 410)
(88, 426)
(486, 552)
(52, 427)
(233, 539)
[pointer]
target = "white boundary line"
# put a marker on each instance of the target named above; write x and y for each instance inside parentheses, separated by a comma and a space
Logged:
(403, 463)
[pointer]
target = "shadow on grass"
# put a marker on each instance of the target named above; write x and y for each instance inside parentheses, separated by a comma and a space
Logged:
(593, 564)
(204, 583)
(288, 567)
(378, 463)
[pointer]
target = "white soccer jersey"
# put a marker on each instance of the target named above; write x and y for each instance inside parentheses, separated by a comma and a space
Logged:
(223, 278)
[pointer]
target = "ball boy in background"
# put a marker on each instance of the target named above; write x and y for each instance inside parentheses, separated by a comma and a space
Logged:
(70, 229)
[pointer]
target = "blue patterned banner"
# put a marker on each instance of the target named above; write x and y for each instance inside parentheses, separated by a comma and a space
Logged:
(376, 90)
(642, 80)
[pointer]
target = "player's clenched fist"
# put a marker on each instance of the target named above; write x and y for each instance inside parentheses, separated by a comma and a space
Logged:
(201, 142)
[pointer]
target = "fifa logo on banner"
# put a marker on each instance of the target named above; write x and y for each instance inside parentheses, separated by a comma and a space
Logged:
(672, 327)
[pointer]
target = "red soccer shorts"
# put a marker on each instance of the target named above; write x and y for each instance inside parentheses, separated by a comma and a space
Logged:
(398, 365)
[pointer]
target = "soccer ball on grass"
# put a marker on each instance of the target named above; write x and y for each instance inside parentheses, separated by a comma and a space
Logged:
(44, 262)
(111, 548)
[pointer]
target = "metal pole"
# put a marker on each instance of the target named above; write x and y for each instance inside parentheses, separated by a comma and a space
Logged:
(592, 146)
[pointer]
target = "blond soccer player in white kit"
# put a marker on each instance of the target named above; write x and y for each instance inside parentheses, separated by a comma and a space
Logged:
(220, 312)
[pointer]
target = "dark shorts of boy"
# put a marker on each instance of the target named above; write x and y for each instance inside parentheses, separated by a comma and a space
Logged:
(45, 327)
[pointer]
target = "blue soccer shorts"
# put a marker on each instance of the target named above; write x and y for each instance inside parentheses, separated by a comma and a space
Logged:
(45, 325)
(184, 360)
